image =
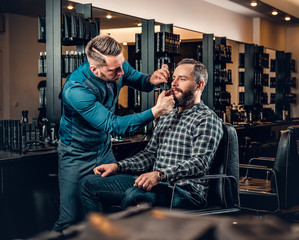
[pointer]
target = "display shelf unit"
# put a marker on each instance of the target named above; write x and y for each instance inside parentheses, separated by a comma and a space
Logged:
(74, 30)
(215, 55)
(255, 79)
(253, 61)
(285, 66)
(152, 50)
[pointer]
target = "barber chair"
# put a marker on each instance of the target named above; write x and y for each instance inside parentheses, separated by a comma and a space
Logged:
(271, 184)
(222, 180)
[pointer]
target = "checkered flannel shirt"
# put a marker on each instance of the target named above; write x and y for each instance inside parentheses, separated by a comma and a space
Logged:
(182, 145)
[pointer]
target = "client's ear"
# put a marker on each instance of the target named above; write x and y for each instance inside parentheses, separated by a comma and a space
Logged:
(200, 85)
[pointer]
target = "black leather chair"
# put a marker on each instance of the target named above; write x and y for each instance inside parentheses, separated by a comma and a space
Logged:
(222, 195)
(271, 184)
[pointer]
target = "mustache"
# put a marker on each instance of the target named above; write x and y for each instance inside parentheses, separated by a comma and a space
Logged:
(176, 89)
(171, 91)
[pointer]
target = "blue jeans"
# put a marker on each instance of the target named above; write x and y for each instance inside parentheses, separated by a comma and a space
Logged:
(74, 164)
(100, 194)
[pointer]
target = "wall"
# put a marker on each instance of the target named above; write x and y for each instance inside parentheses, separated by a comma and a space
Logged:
(1, 85)
(128, 34)
(4, 74)
(20, 51)
(293, 47)
(272, 35)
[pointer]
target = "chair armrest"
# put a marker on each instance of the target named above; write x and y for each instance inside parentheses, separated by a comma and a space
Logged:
(257, 167)
(206, 177)
(209, 177)
(267, 161)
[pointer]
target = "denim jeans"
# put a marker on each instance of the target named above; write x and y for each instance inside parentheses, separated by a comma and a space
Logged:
(100, 194)
(74, 164)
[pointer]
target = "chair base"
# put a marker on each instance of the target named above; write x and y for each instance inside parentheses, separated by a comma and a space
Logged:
(212, 211)
(258, 202)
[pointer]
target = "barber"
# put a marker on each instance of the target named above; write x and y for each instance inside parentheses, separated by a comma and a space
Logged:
(89, 97)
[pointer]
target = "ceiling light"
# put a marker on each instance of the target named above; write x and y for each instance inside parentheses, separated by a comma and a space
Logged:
(70, 7)
(125, 43)
(253, 3)
(109, 16)
(139, 24)
(287, 18)
(274, 12)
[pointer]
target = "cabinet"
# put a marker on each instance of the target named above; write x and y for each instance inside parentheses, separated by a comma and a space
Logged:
(254, 61)
(284, 97)
(255, 79)
(69, 30)
(152, 51)
(215, 54)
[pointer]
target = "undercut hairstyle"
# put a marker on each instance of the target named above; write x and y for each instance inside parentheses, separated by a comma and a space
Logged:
(101, 46)
(199, 73)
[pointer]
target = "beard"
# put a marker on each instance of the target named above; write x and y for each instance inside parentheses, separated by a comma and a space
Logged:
(186, 99)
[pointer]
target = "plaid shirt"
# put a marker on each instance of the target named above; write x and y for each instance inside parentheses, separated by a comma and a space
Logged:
(182, 145)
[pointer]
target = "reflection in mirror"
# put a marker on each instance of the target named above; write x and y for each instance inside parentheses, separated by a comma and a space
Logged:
(263, 90)
(20, 51)
(127, 97)
(21, 77)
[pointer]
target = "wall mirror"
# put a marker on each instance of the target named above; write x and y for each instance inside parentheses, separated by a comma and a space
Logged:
(19, 81)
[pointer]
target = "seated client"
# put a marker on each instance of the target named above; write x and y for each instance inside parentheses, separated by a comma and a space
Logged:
(183, 144)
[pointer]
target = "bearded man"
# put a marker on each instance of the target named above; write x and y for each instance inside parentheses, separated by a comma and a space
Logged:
(182, 145)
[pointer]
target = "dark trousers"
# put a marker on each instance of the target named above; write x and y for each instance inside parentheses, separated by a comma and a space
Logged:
(100, 194)
(74, 164)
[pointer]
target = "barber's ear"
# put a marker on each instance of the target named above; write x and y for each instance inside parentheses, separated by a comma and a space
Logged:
(93, 68)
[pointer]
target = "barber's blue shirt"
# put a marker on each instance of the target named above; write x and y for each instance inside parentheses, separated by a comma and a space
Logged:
(88, 108)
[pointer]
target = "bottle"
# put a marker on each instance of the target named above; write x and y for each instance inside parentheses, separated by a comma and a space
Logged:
(284, 114)
(24, 116)
(80, 59)
(72, 62)
(223, 116)
(76, 60)
(234, 112)
(45, 62)
(250, 116)
(41, 63)
(67, 62)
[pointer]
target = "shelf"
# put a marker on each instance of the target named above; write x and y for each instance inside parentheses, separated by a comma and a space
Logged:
(41, 40)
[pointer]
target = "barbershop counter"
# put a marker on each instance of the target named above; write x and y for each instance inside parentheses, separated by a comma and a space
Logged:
(36, 165)
(29, 194)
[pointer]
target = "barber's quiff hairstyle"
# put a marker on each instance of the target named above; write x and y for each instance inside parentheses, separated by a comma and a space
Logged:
(99, 46)
(199, 73)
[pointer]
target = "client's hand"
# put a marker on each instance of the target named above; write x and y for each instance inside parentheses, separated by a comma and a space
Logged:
(147, 180)
(105, 169)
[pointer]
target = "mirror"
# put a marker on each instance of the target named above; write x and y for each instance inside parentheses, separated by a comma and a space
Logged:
(19, 79)
(20, 51)
(19, 76)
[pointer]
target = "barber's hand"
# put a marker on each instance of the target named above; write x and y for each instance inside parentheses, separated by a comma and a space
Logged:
(160, 76)
(164, 105)
(147, 180)
(105, 169)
